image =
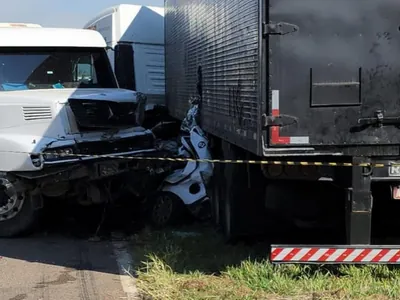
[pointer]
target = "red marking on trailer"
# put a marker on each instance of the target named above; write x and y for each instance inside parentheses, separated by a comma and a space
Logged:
(335, 255)
(276, 138)
(395, 257)
(362, 255)
(343, 256)
(327, 254)
(388, 255)
(275, 113)
(321, 254)
(275, 130)
(276, 252)
(292, 253)
(309, 254)
(380, 255)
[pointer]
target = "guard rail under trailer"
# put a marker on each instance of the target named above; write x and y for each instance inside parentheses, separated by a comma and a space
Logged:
(359, 202)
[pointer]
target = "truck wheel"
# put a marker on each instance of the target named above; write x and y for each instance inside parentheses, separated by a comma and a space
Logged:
(233, 180)
(166, 209)
(17, 212)
(214, 189)
(242, 196)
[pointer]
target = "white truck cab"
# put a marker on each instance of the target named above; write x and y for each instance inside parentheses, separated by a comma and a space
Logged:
(11, 25)
(60, 108)
(138, 33)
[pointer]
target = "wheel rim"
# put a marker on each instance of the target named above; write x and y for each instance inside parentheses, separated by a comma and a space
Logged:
(162, 209)
(10, 200)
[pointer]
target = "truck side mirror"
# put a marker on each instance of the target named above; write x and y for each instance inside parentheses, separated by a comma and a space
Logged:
(124, 66)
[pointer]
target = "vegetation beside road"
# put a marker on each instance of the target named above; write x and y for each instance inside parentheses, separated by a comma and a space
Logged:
(194, 264)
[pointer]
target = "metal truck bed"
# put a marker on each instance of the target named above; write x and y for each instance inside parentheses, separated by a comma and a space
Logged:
(307, 74)
(223, 38)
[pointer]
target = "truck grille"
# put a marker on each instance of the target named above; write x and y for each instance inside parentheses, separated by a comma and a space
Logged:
(33, 113)
(103, 114)
(118, 146)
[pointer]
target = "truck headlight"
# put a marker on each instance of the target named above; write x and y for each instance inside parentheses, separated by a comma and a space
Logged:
(36, 160)
(58, 154)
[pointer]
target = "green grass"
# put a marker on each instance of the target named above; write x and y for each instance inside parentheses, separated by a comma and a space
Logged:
(175, 266)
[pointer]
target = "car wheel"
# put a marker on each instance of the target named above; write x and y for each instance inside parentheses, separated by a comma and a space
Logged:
(166, 209)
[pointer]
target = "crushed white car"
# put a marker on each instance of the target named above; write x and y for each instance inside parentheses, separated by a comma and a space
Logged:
(185, 187)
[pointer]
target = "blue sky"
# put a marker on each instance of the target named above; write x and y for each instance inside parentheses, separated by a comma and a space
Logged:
(59, 13)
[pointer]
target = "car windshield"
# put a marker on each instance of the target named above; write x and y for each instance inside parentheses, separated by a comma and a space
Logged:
(53, 68)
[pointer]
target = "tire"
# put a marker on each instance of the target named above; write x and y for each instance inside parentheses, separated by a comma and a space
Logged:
(22, 218)
(165, 210)
(242, 191)
(231, 188)
(214, 188)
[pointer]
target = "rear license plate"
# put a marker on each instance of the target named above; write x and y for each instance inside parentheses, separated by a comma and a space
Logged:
(394, 170)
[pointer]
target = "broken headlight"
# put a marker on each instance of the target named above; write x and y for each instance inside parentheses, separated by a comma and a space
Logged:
(58, 154)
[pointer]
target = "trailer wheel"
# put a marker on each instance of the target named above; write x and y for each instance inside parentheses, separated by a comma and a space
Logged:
(214, 188)
(232, 182)
(18, 214)
(215, 192)
(242, 192)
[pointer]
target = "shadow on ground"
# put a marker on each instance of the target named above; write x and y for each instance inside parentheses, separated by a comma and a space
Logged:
(65, 237)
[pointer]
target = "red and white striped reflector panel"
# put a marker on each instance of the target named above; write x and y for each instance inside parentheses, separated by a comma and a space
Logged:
(336, 254)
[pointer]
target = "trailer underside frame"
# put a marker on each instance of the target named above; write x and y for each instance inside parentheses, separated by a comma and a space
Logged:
(358, 248)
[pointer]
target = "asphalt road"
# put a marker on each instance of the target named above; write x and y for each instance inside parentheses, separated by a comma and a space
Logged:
(62, 267)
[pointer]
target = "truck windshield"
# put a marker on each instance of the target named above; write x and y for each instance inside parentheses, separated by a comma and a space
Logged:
(52, 68)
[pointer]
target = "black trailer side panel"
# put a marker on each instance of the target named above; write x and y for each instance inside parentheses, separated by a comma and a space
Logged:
(222, 37)
(337, 77)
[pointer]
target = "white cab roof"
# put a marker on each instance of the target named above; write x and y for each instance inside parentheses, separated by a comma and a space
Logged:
(50, 37)
(19, 25)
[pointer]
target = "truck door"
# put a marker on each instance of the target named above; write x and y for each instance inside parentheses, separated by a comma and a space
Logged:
(334, 69)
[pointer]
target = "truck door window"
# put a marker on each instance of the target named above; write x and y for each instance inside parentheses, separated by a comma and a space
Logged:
(85, 70)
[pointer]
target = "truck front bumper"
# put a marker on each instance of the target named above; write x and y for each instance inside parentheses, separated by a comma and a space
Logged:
(94, 167)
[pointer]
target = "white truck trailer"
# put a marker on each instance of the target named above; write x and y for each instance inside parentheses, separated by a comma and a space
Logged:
(138, 32)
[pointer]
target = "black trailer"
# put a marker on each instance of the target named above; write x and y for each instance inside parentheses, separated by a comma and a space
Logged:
(311, 85)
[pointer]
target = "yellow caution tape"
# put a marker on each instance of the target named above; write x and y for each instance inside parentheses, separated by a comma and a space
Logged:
(230, 161)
